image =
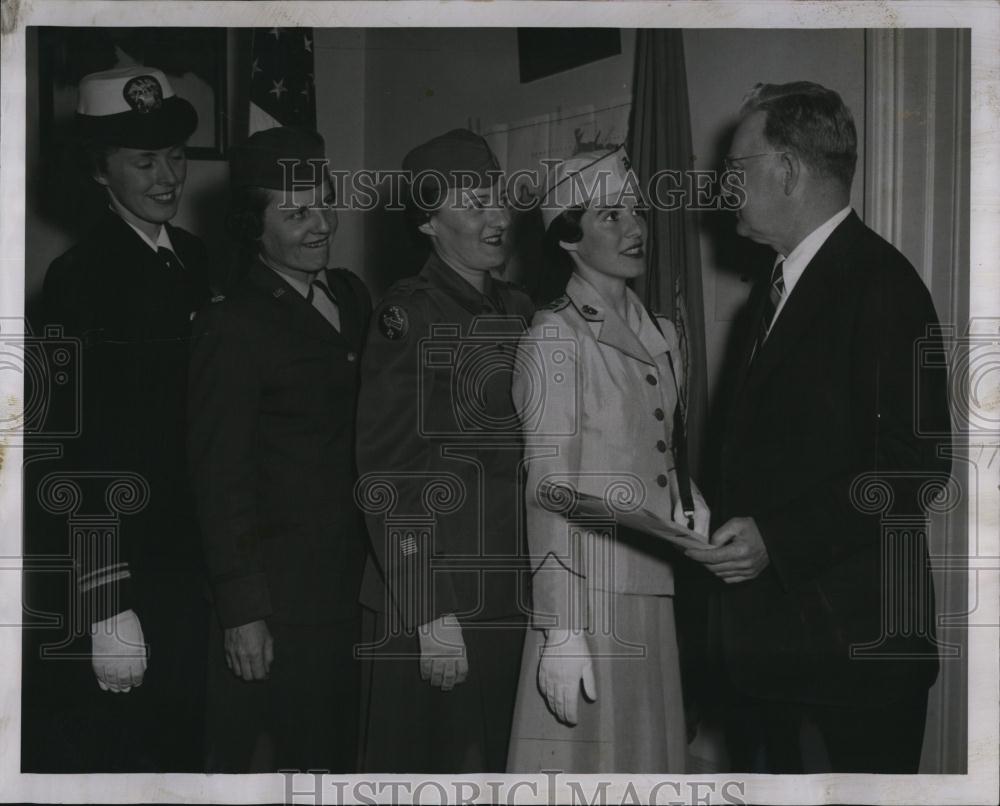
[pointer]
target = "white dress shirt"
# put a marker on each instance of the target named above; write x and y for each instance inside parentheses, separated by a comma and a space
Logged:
(795, 264)
(163, 240)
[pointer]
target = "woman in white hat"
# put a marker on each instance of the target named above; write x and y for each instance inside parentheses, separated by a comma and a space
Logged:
(128, 290)
(598, 384)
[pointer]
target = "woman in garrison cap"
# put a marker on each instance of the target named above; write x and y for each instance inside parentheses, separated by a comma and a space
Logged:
(600, 685)
(128, 290)
(439, 448)
(274, 385)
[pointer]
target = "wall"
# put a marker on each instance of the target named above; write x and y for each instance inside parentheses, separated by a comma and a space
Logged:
(340, 58)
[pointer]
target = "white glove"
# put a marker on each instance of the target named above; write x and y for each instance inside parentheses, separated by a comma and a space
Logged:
(119, 652)
(565, 665)
(443, 659)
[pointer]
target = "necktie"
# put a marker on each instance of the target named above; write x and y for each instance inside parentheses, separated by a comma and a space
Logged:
(774, 295)
(324, 302)
(168, 258)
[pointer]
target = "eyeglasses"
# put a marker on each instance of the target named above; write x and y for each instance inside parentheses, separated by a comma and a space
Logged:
(728, 162)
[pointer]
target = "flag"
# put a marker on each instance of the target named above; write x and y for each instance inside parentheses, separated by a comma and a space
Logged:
(282, 89)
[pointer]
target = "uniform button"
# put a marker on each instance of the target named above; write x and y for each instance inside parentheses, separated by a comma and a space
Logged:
(661, 480)
(658, 413)
(651, 379)
(352, 356)
(661, 446)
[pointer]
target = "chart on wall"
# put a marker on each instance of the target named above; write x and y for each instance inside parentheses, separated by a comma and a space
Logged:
(522, 145)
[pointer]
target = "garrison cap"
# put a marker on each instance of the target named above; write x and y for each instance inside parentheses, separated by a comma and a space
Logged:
(448, 157)
(133, 107)
(282, 158)
(584, 179)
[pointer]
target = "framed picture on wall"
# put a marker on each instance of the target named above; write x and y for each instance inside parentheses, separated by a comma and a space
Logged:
(543, 52)
(193, 59)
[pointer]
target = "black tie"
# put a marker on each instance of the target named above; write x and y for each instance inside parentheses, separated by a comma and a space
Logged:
(774, 295)
(168, 257)
(329, 309)
(317, 283)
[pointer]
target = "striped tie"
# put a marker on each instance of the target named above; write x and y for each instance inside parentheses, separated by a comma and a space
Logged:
(774, 295)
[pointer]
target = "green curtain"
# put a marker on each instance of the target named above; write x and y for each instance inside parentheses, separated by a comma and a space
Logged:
(660, 138)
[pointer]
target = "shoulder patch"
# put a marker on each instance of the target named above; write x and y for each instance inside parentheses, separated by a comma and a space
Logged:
(557, 304)
(393, 323)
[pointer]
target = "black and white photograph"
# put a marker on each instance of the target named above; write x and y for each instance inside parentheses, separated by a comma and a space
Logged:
(500, 402)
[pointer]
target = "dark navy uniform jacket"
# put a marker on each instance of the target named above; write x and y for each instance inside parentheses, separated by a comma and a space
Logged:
(439, 449)
(133, 315)
(272, 404)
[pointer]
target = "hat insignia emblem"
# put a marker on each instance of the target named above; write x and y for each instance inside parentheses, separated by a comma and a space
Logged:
(143, 94)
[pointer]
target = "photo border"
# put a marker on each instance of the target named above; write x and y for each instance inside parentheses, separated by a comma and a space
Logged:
(979, 785)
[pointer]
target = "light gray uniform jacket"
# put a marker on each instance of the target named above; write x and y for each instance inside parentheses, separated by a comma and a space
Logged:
(596, 398)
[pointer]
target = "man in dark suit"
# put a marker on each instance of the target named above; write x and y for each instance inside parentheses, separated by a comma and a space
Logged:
(274, 382)
(128, 291)
(826, 614)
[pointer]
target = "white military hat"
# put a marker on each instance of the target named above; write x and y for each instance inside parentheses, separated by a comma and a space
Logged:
(133, 107)
(584, 179)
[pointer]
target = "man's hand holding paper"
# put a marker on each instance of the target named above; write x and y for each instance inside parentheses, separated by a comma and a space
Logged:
(736, 551)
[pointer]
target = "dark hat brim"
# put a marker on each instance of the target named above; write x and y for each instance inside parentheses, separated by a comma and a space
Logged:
(170, 125)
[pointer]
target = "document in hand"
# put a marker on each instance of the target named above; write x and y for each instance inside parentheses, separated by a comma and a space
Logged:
(641, 520)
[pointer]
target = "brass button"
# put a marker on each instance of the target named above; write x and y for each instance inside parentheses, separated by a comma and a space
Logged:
(661, 480)
(658, 413)
(352, 356)
(661, 446)
(652, 379)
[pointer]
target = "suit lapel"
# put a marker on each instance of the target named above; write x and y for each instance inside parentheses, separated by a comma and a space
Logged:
(807, 301)
(612, 329)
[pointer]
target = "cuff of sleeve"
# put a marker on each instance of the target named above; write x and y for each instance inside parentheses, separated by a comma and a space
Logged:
(559, 597)
(107, 598)
(242, 600)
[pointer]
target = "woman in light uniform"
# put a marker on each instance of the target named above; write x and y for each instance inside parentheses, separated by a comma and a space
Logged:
(600, 687)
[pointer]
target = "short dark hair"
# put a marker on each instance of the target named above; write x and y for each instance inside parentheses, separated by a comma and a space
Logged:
(557, 265)
(245, 218)
(95, 155)
(811, 121)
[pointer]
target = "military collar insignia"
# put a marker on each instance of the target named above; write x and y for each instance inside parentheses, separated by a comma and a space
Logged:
(393, 322)
(591, 313)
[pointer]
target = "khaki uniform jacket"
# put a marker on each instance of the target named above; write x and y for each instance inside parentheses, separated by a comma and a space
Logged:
(439, 449)
(596, 401)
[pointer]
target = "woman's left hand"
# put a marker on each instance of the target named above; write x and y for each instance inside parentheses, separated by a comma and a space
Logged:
(702, 514)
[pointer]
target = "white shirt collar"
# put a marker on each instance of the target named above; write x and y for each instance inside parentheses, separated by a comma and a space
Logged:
(162, 240)
(795, 264)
